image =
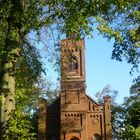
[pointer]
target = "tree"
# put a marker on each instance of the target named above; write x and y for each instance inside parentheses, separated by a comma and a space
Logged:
(21, 17)
(106, 91)
(124, 18)
(46, 90)
(12, 19)
(19, 125)
(115, 19)
(125, 117)
(116, 109)
(23, 121)
(132, 104)
(131, 119)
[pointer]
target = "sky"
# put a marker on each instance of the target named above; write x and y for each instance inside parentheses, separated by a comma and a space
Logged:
(101, 70)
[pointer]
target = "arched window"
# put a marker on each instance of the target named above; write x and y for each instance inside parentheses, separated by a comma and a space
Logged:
(97, 137)
(74, 138)
(73, 63)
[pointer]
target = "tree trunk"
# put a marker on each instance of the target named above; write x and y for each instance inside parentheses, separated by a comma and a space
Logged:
(9, 59)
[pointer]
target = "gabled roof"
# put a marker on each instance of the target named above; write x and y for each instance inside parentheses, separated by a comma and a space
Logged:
(92, 100)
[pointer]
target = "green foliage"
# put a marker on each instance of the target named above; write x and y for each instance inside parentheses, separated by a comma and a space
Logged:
(127, 118)
(115, 108)
(28, 69)
(124, 18)
(129, 132)
(116, 19)
(132, 105)
(21, 18)
(26, 72)
(19, 127)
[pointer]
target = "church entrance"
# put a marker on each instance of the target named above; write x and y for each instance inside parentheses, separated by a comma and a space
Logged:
(74, 138)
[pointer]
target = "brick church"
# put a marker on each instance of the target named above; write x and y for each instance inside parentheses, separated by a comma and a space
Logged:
(74, 115)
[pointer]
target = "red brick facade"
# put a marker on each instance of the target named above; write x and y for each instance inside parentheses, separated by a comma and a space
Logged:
(75, 116)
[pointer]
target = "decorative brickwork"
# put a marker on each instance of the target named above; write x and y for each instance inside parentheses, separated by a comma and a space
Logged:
(74, 115)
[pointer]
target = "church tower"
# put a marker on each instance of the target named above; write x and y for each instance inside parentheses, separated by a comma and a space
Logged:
(72, 96)
(74, 115)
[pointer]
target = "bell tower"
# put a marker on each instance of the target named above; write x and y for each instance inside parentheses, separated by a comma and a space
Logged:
(74, 115)
(72, 60)
(72, 97)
